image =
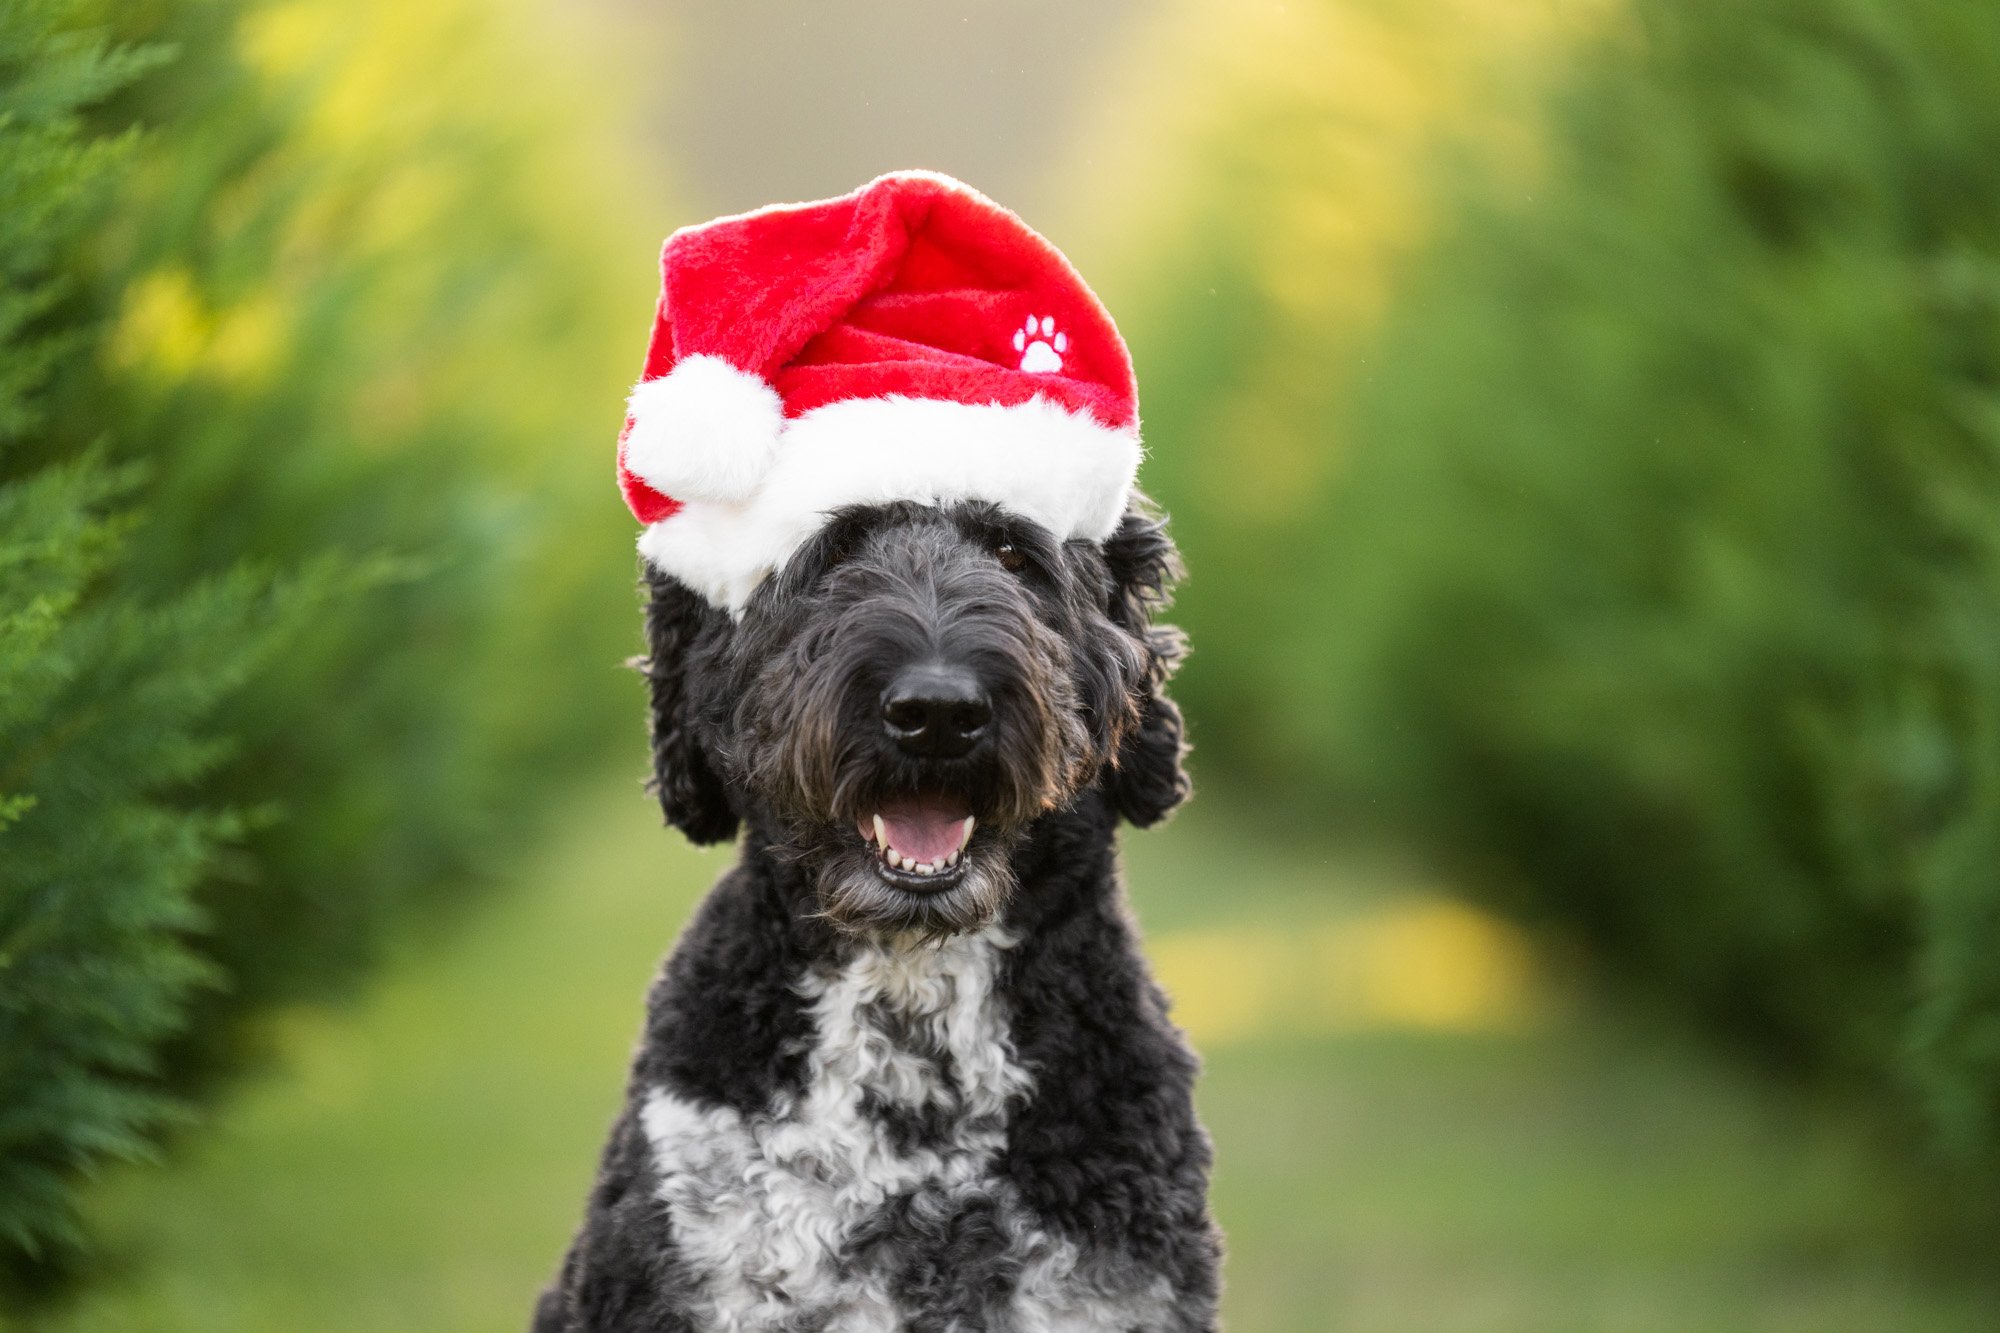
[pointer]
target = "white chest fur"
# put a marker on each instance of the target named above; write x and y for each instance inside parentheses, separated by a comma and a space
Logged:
(767, 1207)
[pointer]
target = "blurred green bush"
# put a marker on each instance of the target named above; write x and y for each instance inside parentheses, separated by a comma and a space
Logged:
(1246, 199)
(1646, 564)
(315, 324)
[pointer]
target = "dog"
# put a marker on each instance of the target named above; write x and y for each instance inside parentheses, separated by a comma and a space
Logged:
(905, 1068)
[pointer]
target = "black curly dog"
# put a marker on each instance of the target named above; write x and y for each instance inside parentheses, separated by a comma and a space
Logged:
(905, 1069)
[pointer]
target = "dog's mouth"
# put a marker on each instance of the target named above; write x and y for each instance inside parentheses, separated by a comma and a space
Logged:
(920, 842)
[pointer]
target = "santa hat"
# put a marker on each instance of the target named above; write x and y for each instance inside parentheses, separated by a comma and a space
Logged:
(910, 341)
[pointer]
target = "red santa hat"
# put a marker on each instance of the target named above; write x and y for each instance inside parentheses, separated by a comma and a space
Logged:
(910, 341)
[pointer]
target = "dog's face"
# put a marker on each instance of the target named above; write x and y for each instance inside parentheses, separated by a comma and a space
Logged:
(913, 690)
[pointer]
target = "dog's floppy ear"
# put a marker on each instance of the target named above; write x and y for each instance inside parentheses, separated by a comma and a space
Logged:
(1148, 779)
(692, 796)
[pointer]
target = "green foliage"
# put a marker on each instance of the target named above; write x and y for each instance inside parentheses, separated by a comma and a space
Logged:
(304, 352)
(1659, 584)
(102, 702)
(107, 711)
(375, 318)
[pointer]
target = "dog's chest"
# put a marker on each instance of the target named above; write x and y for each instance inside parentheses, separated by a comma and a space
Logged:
(867, 1201)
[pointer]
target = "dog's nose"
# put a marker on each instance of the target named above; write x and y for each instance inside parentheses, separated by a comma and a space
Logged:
(936, 711)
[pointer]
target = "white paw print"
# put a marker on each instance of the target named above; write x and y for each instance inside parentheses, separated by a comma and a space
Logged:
(1040, 346)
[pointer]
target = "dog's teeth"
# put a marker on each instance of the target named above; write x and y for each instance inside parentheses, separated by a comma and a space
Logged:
(924, 868)
(894, 858)
(951, 860)
(965, 835)
(881, 837)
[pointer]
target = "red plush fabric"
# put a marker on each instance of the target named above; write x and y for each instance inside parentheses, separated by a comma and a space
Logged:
(914, 285)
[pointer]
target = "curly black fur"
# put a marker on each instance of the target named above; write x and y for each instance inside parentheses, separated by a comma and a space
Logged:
(1150, 779)
(774, 722)
(691, 796)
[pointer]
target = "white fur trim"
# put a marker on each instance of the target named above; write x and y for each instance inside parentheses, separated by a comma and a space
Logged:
(1036, 459)
(705, 430)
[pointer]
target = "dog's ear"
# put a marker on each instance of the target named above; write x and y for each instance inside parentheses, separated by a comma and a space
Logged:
(679, 621)
(1149, 777)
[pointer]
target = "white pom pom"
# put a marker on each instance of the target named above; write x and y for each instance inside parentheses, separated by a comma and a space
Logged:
(704, 431)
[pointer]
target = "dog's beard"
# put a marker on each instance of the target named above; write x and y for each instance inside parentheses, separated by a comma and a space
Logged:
(853, 896)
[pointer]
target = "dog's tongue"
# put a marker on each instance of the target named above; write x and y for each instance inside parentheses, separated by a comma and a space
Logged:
(926, 829)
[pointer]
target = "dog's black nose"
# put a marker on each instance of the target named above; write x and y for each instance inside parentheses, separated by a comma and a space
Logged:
(936, 711)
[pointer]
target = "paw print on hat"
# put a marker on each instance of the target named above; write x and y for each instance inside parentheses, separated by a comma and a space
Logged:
(1040, 346)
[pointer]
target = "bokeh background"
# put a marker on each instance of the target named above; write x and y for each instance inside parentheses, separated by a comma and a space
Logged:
(1581, 418)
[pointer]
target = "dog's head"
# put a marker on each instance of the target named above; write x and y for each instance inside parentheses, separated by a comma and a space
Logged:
(910, 693)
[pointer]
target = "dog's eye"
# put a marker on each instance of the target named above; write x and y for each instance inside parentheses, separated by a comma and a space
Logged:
(1010, 557)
